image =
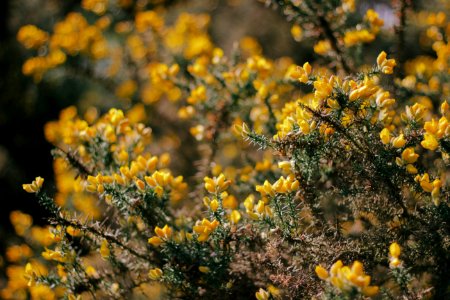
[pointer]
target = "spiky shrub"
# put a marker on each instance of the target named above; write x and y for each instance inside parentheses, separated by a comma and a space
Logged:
(307, 178)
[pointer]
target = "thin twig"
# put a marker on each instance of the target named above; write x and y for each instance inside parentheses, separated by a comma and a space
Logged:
(62, 221)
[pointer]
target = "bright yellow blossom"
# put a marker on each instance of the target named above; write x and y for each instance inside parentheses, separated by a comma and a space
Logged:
(302, 73)
(216, 184)
(385, 65)
(347, 278)
(204, 228)
(385, 136)
(409, 156)
(155, 274)
(297, 32)
(35, 186)
(429, 142)
(394, 253)
(399, 141)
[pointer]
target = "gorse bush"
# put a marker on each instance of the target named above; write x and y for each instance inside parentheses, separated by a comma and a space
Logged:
(235, 176)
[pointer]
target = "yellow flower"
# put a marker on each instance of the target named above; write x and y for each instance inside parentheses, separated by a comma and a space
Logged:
(229, 201)
(354, 37)
(73, 231)
(265, 189)
(385, 65)
(429, 142)
(262, 294)
(204, 269)
(198, 95)
(409, 156)
(216, 184)
(322, 272)
(323, 89)
(18, 252)
(288, 185)
(347, 278)
(31, 37)
(155, 241)
(383, 100)
(296, 32)
(140, 184)
(425, 183)
(204, 228)
(274, 291)
(126, 89)
(55, 255)
(30, 274)
(394, 250)
(155, 274)
(21, 222)
(322, 47)
(385, 136)
(302, 73)
(431, 127)
(411, 169)
(104, 249)
(415, 112)
(96, 6)
(35, 186)
(370, 291)
(445, 107)
(148, 19)
(399, 141)
(235, 216)
(91, 272)
(374, 19)
(363, 90)
(165, 232)
(214, 205)
(435, 192)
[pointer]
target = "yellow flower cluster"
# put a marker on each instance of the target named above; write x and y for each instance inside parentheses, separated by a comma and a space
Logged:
(385, 65)
(56, 255)
(374, 20)
(434, 131)
(113, 128)
(73, 35)
(37, 66)
(162, 235)
(281, 186)
(347, 279)
(204, 228)
(148, 20)
(216, 184)
(259, 211)
(355, 37)
(32, 37)
(23, 277)
(430, 187)
(188, 36)
(337, 132)
(97, 6)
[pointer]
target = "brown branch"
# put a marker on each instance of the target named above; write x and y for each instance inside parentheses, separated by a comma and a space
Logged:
(369, 156)
(65, 222)
(328, 33)
(400, 31)
(74, 162)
